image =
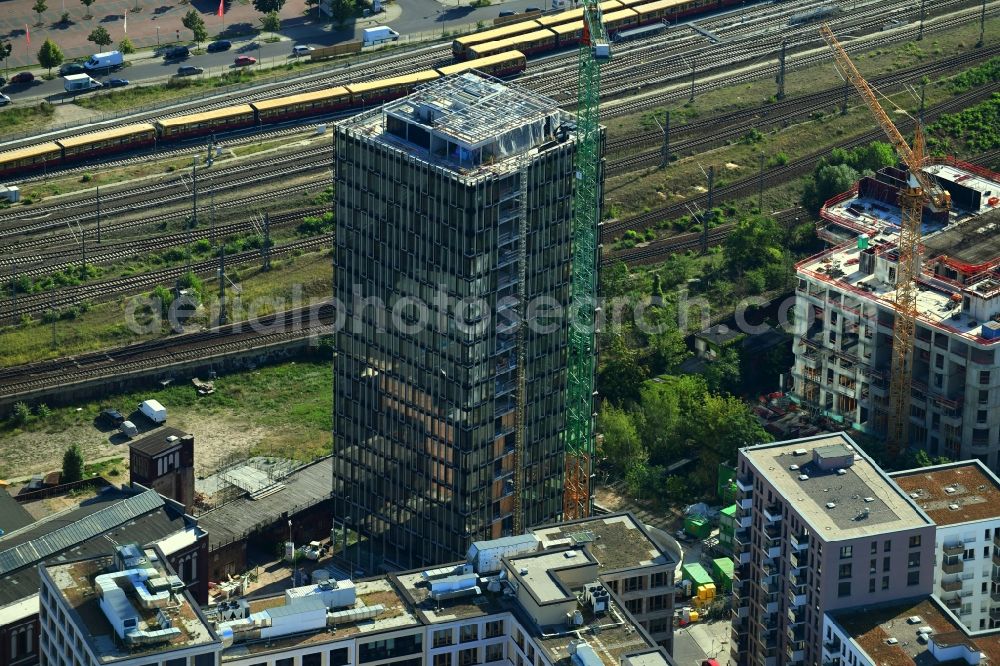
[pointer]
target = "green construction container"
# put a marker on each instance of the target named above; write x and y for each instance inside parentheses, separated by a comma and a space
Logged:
(695, 573)
(697, 527)
(727, 526)
(722, 572)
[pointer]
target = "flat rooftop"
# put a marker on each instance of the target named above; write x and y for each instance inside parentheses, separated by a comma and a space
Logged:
(871, 627)
(156, 441)
(617, 542)
(539, 571)
(973, 239)
(865, 501)
(75, 582)
(371, 592)
(467, 123)
(841, 267)
(953, 493)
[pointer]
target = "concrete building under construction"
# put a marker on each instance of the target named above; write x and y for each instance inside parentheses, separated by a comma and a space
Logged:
(845, 302)
(454, 210)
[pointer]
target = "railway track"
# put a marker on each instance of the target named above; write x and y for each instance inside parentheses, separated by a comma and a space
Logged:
(780, 174)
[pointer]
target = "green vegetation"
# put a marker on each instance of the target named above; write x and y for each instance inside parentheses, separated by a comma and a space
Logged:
(87, 4)
(106, 468)
(100, 36)
(193, 22)
(39, 8)
(270, 22)
(988, 72)
(267, 6)
(138, 96)
(50, 55)
(72, 467)
(838, 172)
(26, 117)
(126, 46)
(969, 132)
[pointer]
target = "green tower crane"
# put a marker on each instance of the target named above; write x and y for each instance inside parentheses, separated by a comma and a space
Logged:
(594, 51)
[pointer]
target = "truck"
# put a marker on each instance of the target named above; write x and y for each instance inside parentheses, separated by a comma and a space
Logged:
(80, 83)
(109, 60)
(382, 33)
(153, 410)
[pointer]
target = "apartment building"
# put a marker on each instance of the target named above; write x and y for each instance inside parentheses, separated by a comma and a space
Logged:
(845, 304)
(820, 527)
(963, 500)
(453, 213)
(545, 607)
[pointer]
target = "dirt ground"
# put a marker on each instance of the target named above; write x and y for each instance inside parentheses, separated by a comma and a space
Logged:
(216, 439)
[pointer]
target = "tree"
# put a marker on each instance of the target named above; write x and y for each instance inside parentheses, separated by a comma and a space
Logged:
(38, 8)
(99, 36)
(50, 55)
(126, 46)
(717, 427)
(342, 10)
(622, 376)
(668, 351)
(268, 6)
(614, 279)
(72, 469)
(5, 50)
(828, 181)
(755, 241)
(87, 4)
(620, 443)
(723, 374)
(270, 22)
(193, 22)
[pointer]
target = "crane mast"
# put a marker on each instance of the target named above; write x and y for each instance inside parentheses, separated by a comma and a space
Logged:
(919, 190)
(579, 433)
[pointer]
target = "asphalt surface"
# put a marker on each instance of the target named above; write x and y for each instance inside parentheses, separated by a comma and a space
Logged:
(414, 18)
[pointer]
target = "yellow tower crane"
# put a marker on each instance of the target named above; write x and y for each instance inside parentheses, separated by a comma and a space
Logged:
(920, 190)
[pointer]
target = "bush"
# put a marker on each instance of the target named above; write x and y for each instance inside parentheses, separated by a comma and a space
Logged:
(72, 464)
(43, 411)
(22, 414)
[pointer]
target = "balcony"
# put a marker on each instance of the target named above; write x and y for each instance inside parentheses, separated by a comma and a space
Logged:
(744, 557)
(795, 599)
(770, 552)
(796, 618)
(741, 539)
(953, 567)
(799, 542)
(797, 559)
(769, 605)
(995, 614)
(996, 557)
(745, 503)
(770, 584)
(953, 603)
(744, 486)
(995, 597)
(955, 549)
(772, 513)
(794, 656)
(744, 522)
(951, 585)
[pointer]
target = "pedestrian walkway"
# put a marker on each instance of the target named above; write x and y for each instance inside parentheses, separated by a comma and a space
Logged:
(147, 23)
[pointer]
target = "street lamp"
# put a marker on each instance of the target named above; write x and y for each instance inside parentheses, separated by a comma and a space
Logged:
(157, 36)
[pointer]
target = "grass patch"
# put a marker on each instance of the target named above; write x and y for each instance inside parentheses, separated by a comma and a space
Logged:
(26, 117)
(109, 469)
(132, 98)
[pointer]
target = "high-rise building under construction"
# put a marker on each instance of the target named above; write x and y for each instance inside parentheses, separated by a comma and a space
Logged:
(454, 209)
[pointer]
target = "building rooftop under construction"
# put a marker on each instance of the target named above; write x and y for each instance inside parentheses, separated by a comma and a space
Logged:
(846, 299)
(467, 123)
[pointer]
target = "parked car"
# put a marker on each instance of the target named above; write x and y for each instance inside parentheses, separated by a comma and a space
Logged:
(528, 10)
(22, 77)
(221, 45)
(4, 100)
(128, 429)
(301, 50)
(72, 68)
(508, 12)
(3, 82)
(111, 418)
(244, 60)
(177, 53)
(189, 70)
(116, 83)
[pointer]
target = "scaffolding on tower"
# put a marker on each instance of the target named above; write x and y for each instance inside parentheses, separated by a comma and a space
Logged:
(579, 435)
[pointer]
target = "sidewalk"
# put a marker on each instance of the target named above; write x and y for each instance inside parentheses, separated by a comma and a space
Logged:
(156, 23)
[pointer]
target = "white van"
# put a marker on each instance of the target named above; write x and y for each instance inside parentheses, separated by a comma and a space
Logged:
(153, 411)
(378, 35)
(109, 60)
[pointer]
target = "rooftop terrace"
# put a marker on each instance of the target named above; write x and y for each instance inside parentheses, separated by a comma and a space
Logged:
(76, 582)
(864, 500)
(873, 626)
(953, 493)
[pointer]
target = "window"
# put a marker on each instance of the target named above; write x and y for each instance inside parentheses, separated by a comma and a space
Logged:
(339, 657)
(494, 629)
(984, 397)
(203, 660)
(844, 589)
(845, 571)
(915, 541)
(634, 606)
(871, 567)
(633, 584)
(182, 661)
(885, 582)
(494, 652)
(442, 659)
(287, 661)
(871, 585)
(913, 560)
(442, 637)
(659, 579)
(981, 416)
(846, 551)
(913, 578)
(468, 657)
(659, 602)
(314, 659)
(939, 361)
(389, 648)
(469, 633)
(984, 376)
(987, 535)
(969, 554)
(874, 547)
(886, 563)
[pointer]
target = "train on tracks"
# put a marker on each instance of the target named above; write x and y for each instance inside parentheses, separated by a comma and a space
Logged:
(357, 96)
(498, 52)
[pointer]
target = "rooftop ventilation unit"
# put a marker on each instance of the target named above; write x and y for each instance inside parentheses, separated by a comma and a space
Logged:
(869, 499)
(803, 477)
(793, 467)
(892, 641)
(951, 489)
(914, 619)
(925, 630)
(830, 505)
(841, 472)
(953, 507)
(800, 452)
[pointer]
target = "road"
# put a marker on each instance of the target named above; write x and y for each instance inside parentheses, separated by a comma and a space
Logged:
(415, 19)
